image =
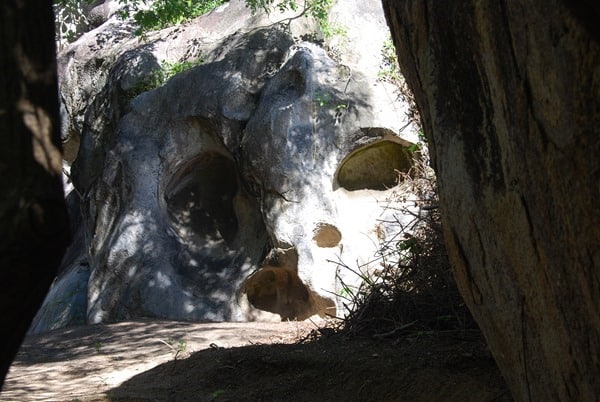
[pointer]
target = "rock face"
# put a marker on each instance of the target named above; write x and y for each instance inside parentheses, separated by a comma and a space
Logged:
(224, 194)
(509, 98)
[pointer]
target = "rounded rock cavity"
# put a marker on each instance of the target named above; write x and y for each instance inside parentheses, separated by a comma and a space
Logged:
(326, 235)
(199, 197)
(374, 166)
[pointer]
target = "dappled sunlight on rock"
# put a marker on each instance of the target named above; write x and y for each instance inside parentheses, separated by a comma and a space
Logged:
(187, 184)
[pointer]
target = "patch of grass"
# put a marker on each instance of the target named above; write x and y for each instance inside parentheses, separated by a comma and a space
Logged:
(178, 346)
(97, 346)
(322, 98)
(216, 394)
(160, 76)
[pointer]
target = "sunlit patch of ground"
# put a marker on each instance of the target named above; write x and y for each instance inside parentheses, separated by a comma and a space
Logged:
(88, 361)
(173, 361)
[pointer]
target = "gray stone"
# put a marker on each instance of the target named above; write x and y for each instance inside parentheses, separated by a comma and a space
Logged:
(225, 191)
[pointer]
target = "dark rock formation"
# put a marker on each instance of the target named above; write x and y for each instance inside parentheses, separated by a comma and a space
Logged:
(508, 93)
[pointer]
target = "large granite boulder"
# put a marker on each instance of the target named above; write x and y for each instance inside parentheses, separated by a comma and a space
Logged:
(297, 147)
(226, 193)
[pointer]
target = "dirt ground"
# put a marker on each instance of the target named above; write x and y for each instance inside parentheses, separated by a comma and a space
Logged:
(174, 361)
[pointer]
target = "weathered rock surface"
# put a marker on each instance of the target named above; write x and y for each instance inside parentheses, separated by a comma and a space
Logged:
(246, 161)
(509, 96)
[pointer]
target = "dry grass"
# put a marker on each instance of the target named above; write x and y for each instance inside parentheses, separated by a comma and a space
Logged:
(414, 292)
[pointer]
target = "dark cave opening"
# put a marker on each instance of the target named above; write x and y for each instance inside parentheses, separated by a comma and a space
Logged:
(200, 195)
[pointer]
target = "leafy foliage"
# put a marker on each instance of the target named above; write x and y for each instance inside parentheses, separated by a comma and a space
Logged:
(317, 9)
(70, 19)
(389, 71)
(159, 14)
(150, 15)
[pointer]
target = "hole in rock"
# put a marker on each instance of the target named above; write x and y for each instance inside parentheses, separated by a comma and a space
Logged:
(326, 235)
(374, 166)
(280, 290)
(199, 197)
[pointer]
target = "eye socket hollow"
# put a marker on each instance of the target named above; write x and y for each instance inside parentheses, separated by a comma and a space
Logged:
(199, 197)
(374, 166)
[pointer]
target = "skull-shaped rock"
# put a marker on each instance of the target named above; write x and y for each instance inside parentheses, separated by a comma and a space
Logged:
(232, 188)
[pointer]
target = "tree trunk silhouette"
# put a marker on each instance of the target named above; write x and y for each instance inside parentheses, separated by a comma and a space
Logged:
(33, 217)
(509, 96)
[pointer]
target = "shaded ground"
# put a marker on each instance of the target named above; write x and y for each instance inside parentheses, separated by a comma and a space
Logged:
(172, 361)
